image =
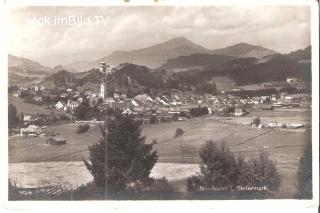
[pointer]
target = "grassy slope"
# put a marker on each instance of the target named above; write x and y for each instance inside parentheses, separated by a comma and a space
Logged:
(284, 146)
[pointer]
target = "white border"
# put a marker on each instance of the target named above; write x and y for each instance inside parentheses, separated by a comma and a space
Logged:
(161, 206)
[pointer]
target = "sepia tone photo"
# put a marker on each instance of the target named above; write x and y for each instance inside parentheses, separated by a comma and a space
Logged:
(159, 103)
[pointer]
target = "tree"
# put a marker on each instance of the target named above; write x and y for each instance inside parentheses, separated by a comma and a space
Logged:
(12, 116)
(221, 169)
(153, 120)
(121, 160)
(82, 128)
(305, 174)
(179, 132)
(81, 111)
(256, 121)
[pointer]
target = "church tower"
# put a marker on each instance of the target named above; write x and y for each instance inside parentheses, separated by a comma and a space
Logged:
(103, 91)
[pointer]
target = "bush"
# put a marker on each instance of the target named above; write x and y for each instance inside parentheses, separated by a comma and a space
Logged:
(179, 132)
(199, 111)
(159, 189)
(222, 173)
(256, 121)
(153, 120)
(82, 128)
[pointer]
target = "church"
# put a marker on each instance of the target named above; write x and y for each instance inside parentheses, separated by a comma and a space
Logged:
(103, 91)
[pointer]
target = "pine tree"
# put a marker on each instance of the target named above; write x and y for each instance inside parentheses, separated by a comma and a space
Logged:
(121, 160)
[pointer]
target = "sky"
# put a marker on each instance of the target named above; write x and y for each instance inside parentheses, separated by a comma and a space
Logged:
(280, 28)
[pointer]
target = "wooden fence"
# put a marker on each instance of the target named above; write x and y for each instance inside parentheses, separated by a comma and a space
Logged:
(57, 192)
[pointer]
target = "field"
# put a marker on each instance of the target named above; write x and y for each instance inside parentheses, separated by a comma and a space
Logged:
(178, 156)
(27, 108)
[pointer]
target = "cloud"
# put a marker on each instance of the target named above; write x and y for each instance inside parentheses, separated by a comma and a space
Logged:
(281, 28)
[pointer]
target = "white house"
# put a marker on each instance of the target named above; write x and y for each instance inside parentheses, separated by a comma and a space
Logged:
(164, 103)
(291, 80)
(134, 103)
(239, 112)
(30, 130)
(109, 100)
(59, 105)
(73, 104)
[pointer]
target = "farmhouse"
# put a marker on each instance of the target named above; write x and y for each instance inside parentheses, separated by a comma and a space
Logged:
(60, 105)
(73, 104)
(292, 80)
(239, 112)
(267, 107)
(30, 130)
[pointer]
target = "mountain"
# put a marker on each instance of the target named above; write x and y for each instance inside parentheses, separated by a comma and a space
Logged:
(159, 54)
(23, 70)
(244, 50)
(155, 55)
(151, 57)
(195, 61)
(80, 66)
(26, 65)
(57, 68)
(301, 55)
(245, 71)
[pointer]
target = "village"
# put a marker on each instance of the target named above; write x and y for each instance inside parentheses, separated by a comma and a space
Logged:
(176, 106)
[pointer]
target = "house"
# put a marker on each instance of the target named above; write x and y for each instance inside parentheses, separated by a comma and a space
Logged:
(134, 103)
(27, 119)
(109, 100)
(116, 95)
(274, 97)
(143, 97)
(239, 112)
(72, 104)
(267, 107)
(164, 103)
(37, 99)
(35, 88)
(60, 105)
(31, 130)
(80, 99)
(63, 95)
(127, 111)
(294, 126)
(292, 80)
(274, 124)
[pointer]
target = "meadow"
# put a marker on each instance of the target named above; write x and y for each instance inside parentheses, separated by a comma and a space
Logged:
(178, 157)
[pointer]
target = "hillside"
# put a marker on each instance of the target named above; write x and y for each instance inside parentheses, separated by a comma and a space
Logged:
(301, 55)
(26, 65)
(244, 50)
(195, 60)
(247, 71)
(23, 70)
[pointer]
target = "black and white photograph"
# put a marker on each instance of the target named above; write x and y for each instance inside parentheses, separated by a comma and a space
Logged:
(160, 102)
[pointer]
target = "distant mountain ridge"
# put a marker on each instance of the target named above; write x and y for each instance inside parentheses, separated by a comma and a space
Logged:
(26, 65)
(158, 54)
(22, 69)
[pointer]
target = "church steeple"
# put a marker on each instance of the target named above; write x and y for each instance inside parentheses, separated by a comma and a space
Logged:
(103, 91)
